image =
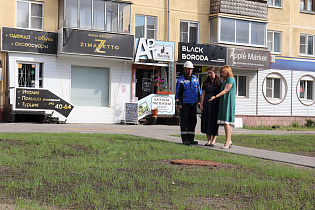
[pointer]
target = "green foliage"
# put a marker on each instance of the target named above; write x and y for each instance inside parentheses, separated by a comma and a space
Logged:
(102, 171)
(310, 123)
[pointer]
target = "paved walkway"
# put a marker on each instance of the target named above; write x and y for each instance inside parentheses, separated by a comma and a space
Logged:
(165, 132)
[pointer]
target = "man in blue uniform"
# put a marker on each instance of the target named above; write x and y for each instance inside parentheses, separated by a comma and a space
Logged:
(187, 97)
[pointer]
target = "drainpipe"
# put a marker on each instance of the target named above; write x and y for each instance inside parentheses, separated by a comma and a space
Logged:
(168, 20)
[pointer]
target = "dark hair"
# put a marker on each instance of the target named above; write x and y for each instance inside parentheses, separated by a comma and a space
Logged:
(216, 78)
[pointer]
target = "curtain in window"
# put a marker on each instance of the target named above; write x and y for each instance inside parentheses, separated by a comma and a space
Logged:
(111, 16)
(227, 30)
(71, 14)
(89, 86)
(22, 14)
(99, 15)
(184, 31)
(37, 16)
(257, 33)
(86, 14)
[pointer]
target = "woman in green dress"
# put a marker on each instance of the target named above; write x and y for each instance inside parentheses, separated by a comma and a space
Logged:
(226, 104)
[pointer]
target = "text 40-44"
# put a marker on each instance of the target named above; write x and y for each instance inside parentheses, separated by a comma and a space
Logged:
(61, 106)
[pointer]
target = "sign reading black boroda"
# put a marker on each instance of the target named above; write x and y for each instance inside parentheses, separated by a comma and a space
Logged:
(41, 99)
(97, 43)
(21, 40)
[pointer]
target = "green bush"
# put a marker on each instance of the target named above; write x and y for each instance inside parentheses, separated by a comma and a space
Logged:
(310, 123)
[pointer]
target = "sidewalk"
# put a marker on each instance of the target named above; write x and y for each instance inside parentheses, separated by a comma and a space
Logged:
(165, 132)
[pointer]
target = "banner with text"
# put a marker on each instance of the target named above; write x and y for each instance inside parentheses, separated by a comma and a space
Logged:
(21, 40)
(204, 54)
(41, 99)
(97, 43)
(246, 58)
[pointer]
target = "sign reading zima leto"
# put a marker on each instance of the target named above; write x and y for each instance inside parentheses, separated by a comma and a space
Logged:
(21, 40)
(41, 99)
(150, 49)
(85, 42)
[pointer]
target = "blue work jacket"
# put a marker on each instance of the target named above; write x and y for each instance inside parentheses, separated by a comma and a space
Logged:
(187, 90)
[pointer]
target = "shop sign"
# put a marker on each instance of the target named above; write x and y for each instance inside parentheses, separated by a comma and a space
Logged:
(202, 54)
(246, 58)
(150, 49)
(86, 42)
(164, 103)
(27, 98)
(21, 40)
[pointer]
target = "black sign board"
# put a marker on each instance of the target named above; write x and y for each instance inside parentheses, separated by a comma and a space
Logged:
(132, 113)
(41, 99)
(203, 54)
(21, 40)
(246, 58)
(97, 43)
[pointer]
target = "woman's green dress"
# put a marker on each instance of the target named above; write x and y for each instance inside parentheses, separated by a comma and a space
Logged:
(227, 104)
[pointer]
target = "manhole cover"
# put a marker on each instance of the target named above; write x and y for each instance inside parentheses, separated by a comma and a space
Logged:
(196, 162)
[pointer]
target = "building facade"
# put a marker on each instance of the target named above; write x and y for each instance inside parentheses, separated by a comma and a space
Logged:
(86, 54)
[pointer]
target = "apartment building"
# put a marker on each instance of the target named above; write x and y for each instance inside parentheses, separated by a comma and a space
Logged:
(92, 57)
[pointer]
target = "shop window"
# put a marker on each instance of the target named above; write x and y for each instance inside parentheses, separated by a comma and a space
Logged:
(189, 32)
(307, 44)
(275, 3)
(145, 27)
(30, 75)
(234, 31)
(274, 41)
(305, 90)
(307, 5)
(30, 14)
(241, 85)
(274, 88)
(101, 15)
(89, 86)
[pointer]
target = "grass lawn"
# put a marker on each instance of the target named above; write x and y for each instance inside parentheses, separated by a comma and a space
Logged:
(102, 171)
(295, 144)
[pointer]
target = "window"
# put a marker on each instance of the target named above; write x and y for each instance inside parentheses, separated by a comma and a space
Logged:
(275, 3)
(188, 32)
(145, 27)
(274, 88)
(101, 15)
(274, 41)
(236, 31)
(241, 85)
(307, 45)
(306, 90)
(307, 5)
(89, 86)
(30, 75)
(30, 14)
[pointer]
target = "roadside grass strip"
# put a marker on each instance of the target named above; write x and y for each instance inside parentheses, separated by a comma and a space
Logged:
(111, 171)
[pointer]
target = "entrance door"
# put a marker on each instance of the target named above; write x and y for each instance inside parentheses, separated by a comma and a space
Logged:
(144, 84)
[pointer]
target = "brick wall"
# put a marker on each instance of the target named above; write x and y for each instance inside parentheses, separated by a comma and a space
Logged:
(255, 121)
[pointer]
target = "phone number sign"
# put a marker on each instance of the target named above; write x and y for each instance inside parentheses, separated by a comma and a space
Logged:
(41, 99)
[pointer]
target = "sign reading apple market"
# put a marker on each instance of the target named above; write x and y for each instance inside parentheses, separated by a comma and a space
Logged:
(22, 40)
(86, 42)
(41, 99)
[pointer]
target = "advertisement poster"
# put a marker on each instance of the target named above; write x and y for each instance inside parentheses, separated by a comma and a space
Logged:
(22, 40)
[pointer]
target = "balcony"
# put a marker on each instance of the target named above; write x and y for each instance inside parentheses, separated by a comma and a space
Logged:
(251, 8)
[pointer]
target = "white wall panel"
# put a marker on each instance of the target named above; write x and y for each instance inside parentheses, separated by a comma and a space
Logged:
(247, 105)
(299, 109)
(266, 108)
